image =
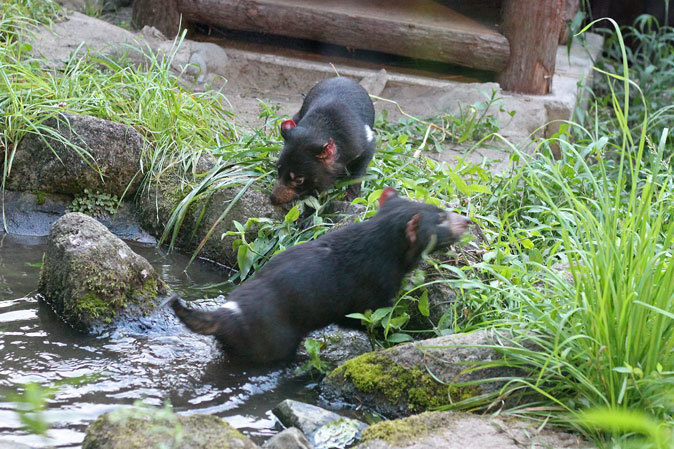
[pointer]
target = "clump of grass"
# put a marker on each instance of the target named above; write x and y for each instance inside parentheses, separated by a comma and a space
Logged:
(604, 338)
(651, 67)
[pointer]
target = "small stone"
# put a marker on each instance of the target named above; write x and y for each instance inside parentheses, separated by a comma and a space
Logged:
(291, 438)
(323, 428)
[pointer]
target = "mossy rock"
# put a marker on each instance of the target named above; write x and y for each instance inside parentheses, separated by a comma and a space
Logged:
(459, 430)
(419, 376)
(204, 213)
(149, 428)
(78, 152)
(92, 279)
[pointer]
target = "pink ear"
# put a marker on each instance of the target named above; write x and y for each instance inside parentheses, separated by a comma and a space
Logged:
(329, 152)
(389, 192)
(411, 229)
(287, 125)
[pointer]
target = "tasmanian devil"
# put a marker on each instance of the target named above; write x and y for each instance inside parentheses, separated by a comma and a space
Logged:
(330, 138)
(311, 285)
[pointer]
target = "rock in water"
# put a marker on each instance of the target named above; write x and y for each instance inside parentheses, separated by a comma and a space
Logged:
(323, 428)
(92, 279)
(149, 428)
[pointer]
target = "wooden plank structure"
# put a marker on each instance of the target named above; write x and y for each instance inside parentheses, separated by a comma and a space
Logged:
(523, 55)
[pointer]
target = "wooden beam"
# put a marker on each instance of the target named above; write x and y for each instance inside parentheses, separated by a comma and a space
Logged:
(422, 29)
(532, 27)
(569, 10)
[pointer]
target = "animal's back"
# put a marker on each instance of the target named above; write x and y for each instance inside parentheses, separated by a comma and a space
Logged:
(343, 93)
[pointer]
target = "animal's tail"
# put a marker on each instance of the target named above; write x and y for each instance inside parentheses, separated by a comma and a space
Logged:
(199, 321)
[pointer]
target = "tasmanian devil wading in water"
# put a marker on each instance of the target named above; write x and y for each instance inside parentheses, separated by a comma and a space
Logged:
(311, 285)
(330, 138)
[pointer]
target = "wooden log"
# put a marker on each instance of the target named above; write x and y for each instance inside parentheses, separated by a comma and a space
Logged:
(161, 14)
(532, 27)
(421, 29)
(569, 10)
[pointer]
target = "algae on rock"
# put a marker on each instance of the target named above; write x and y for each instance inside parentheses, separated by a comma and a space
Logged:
(150, 428)
(419, 376)
(460, 430)
(92, 278)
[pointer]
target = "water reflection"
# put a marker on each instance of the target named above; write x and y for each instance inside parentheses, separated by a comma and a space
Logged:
(155, 363)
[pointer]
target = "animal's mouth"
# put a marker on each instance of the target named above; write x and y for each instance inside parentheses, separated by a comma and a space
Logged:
(282, 194)
(456, 223)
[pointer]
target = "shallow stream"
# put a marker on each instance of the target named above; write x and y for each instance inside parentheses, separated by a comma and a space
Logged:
(158, 365)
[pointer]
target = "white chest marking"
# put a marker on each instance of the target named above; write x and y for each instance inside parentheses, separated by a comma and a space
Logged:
(233, 306)
(369, 135)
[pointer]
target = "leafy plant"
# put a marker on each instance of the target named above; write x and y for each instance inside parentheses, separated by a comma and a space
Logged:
(95, 204)
(33, 399)
(314, 364)
(31, 404)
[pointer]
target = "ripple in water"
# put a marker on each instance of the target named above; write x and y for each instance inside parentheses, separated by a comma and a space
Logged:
(161, 364)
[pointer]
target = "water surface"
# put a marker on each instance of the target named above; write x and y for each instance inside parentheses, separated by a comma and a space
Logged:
(168, 363)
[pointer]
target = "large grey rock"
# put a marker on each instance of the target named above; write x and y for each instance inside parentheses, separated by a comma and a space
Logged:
(323, 428)
(92, 279)
(157, 205)
(456, 430)
(291, 438)
(135, 428)
(108, 159)
(396, 382)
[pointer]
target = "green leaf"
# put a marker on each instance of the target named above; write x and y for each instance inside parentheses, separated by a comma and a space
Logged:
(479, 188)
(312, 346)
(423, 304)
(399, 337)
(244, 258)
(398, 322)
(374, 195)
(293, 214)
(528, 244)
(378, 314)
(459, 183)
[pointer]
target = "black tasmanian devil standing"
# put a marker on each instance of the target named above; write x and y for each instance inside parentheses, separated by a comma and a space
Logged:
(311, 285)
(330, 138)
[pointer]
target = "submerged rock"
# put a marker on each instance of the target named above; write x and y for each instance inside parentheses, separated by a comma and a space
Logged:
(144, 428)
(415, 377)
(91, 278)
(458, 430)
(81, 152)
(323, 428)
(337, 345)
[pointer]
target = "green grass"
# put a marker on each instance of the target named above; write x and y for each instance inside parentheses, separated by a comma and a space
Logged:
(603, 339)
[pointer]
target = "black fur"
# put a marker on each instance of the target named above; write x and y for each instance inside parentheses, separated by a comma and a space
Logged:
(311, 285)
(336, 109)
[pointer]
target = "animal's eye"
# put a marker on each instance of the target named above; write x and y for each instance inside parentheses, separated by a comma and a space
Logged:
(299, 180)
